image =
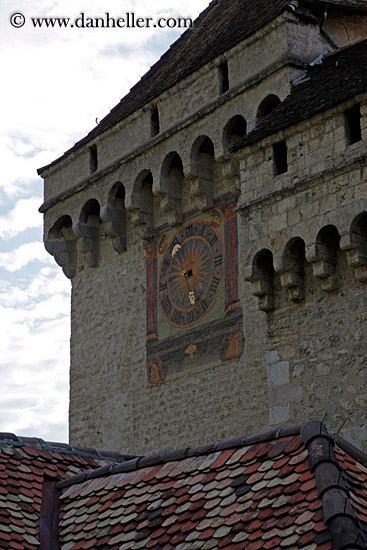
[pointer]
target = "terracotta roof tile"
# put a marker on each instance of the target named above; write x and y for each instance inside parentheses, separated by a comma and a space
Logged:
(23, 466)
(203, 506)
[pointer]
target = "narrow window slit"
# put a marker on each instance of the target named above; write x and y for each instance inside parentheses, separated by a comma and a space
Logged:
(93, 158)
(353, 131)
(155, 125)
(280, 158)
(223, 77)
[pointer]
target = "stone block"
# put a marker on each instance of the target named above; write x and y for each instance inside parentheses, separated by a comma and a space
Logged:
(278, 374)
(279, 414)
(284, 395)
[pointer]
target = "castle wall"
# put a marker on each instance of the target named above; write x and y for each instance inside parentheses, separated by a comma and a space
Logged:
(249, 64)
(304, 356)
(314, 348)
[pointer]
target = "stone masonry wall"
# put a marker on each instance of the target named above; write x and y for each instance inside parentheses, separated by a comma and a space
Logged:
(249, 62)
(314, 349)
(301, 359)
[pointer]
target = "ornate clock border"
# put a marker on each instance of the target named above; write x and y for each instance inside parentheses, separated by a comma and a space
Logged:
(218, 340)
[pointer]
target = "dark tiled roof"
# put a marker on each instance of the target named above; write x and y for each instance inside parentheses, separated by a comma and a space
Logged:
(341, 76)
(355, 5)
(282, 489)
(221, 26)
(23, 465)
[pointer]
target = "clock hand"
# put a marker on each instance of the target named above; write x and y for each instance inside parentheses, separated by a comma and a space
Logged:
(175, 251)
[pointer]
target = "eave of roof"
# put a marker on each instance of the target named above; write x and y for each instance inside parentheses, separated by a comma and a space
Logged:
(340, 77)
(62, 448)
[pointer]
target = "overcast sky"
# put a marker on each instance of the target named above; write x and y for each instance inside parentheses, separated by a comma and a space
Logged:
(54, 84)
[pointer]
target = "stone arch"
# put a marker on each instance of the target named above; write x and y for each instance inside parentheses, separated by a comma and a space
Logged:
(267, 105)
(114, 216)
(202, 169)
(87, 231)
(234, 131)
(90, 212)
(293, 270)
(328, 237)
(261, 276)
(143, 201)
(324, 256)
(171, 186)
(61, 244)
(357, 246)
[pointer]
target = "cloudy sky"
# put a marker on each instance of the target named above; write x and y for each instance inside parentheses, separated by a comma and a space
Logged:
(55, 82)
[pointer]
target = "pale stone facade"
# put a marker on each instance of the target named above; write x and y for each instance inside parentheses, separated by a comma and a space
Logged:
(304, 347)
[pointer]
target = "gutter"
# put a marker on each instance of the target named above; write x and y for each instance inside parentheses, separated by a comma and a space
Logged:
(325, 33)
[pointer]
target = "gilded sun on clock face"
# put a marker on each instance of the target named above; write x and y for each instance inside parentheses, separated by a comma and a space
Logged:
(191, 274)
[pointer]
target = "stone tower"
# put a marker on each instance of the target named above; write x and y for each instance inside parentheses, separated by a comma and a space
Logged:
(214, 228)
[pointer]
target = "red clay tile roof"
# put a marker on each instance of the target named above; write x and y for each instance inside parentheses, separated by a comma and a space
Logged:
(218, 28)
(24, 465)
(288, 488)
(344, 71)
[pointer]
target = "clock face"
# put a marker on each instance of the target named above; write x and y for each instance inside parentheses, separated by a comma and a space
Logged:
(190, 274)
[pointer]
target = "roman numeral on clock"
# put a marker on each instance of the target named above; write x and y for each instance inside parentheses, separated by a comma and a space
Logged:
(163, 287)
(217, 260)
(176, 317)
(166, 305)
(214, 285)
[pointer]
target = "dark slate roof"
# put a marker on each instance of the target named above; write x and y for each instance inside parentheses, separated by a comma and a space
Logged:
(341, 76)
(221, 26)
(286, 488)
(355, 5)
(24, 463)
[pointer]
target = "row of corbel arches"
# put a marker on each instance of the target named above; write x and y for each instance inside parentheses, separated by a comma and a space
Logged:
(64, 235)
(323, 256)
(61, 240)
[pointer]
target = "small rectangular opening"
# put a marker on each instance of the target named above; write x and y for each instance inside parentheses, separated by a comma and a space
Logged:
(154, 122)
(93, 158)
(280, 161)
(189, 273)
(223, 77)
(352, 118)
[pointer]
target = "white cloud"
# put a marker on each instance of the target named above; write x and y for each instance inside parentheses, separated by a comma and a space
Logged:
(58, 81)
(34, 355)
(23, 216)
(23, 255)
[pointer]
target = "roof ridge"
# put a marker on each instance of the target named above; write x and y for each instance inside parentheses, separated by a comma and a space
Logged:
(188, 452)
(339, 511)
(62, 448)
